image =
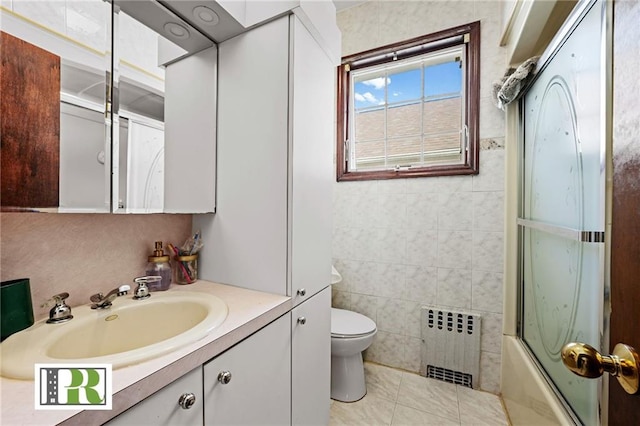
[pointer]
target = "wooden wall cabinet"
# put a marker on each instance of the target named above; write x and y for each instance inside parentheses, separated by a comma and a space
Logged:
(30, 125)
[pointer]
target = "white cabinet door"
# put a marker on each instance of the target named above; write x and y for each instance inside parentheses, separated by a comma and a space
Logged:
(245, 242)
(163, 407)
(311, 360)
(311, 158)
(190, 134)
(257, 372)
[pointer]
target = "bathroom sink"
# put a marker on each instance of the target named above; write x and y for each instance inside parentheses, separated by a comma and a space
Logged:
(129, 332)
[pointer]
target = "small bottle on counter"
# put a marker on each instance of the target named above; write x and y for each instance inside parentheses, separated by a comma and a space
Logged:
(159, 265)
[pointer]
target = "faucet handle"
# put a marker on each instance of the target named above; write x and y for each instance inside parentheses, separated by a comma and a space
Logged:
(123, 289)
(55, 300)
(142, 291)
(61, 312)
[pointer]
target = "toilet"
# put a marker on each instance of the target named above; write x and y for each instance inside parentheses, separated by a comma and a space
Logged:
(351, 333)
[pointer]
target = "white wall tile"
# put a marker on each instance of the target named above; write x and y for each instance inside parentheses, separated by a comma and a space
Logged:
(340, 299)
(422, 248)
(490, 372)
(342, 209)
(454, 288)
(412, 347)
(421, 284)
(490, 15)
(392, 210)
(422, 185)
(491, 333)
(488, 211)
(455, 211)
(365, 305)
(364, 278)
(389, 279)
(491, 176)
(454, 184)
(486, 291)
(387, 349)
(488, 251)
(454, 250)
(492, 69)
(392, 186)
(365, 243)
(393, 22)
(393, 245)
(438, 15)
(491, 118)
(422, 211)
(359, 26)
(411, 317)
(344, 266)
(391, 315)
(364, 210)
(339, 243)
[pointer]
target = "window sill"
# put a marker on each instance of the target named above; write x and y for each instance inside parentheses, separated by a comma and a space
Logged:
(433, 171)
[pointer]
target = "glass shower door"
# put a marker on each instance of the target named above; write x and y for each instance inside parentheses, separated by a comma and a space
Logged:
(562, 208)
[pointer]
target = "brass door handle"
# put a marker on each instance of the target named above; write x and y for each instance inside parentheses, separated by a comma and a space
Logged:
(586, 361)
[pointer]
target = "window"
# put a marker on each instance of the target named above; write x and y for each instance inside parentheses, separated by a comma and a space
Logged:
(411, 109)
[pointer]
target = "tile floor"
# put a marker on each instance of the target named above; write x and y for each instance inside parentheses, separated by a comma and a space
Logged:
(397, 397)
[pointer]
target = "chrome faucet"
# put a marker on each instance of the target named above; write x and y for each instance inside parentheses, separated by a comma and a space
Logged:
(101, 301)
(61, 312)
(142, 291)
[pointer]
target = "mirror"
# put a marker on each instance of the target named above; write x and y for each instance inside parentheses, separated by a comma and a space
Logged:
(106, 149)
(55, 135)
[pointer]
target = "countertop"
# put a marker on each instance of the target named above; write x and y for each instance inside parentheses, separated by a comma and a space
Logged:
(249, 311)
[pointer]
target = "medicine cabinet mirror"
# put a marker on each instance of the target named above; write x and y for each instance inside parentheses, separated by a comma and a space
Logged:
(85, 119)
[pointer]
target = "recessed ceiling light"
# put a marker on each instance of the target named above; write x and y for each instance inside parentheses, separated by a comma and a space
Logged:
(205, 16)
(176, 30)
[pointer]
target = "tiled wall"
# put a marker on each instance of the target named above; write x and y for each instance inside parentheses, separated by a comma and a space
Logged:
(81, 254)
(404, 243)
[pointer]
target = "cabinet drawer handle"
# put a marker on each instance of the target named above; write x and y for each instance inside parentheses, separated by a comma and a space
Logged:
(186, 400)
(302, 292)
(302, 320)
(224, 377)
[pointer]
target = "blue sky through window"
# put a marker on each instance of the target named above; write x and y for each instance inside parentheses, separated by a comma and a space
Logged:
(406, 85)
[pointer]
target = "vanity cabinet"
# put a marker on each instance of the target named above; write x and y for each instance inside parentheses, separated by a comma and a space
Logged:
(180, 403)
(250, 384)
(311, 360)
(279, 375)
(272, 227)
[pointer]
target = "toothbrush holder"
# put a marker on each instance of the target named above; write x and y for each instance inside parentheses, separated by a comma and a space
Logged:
(186, 269)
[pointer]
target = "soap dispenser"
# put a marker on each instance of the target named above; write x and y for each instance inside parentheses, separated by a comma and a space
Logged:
(159, 265)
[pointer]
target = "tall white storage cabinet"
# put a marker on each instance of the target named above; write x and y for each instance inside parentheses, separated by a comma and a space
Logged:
(272, 228)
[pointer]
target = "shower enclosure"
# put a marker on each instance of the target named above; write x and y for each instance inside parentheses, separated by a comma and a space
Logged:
(561, 218)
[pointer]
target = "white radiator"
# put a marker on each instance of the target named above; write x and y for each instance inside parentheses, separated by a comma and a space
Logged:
(450, 346)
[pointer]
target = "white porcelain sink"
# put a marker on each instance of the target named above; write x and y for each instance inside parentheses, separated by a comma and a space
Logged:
(129, 332)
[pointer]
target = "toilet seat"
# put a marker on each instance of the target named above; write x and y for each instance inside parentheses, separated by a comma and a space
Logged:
(348, 324)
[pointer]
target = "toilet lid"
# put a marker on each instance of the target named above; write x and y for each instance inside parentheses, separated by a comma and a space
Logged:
(349, 323)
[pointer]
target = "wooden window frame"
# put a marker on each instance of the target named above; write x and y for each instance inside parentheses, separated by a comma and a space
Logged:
(383, 55)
